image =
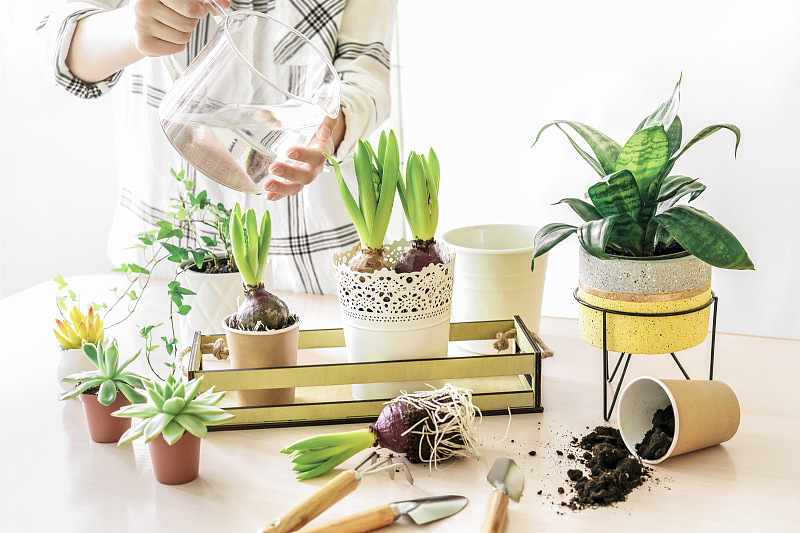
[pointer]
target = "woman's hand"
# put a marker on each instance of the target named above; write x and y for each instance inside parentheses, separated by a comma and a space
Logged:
(308, 162)
(163, 27)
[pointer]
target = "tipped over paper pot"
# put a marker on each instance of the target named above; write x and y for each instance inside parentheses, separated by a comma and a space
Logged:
(705, 413)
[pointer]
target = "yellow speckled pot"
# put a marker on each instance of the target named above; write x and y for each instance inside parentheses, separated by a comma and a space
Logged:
(664, 284)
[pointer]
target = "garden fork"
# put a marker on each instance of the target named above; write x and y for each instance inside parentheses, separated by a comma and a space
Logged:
(334, 490)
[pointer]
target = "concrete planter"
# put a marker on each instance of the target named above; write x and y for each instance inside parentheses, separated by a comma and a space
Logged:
(665, 284)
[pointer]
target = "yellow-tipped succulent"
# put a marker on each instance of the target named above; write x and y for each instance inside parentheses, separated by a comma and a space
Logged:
(84, 329)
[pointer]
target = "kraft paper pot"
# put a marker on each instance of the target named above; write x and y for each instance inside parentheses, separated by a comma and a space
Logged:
(706, 413)
(263, 349)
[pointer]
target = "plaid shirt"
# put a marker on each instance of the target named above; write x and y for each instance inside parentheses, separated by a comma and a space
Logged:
(307, 228)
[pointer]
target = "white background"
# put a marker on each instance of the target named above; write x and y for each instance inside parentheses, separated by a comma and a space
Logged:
(477, 80)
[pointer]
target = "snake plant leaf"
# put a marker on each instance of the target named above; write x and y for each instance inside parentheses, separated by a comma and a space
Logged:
(675, 188)
(594, 235)
(702, 236)
(666, 112)
(618, 194)
(584, 209)
(549, 236)
(627, 236)
(367, 201)
(705, 132)
(644, 155)
(674, 133)
(604, 147)
(172, 432)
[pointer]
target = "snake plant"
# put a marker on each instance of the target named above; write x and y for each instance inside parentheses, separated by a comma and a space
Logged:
(377, 174)
(174, 408)
(109, 377)
(632, 211)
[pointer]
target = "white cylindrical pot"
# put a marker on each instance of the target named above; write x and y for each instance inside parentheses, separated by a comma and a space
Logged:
(215, 297)
(71, 362)
(494, 279)
(388, 316)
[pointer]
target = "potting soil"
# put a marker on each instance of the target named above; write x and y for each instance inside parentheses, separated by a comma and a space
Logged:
(658, 439)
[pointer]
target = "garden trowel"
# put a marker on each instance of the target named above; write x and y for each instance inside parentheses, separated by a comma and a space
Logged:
(507, 480)
(420, 511)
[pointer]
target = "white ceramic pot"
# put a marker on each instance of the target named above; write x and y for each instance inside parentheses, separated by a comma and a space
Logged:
(388, 316)
(494, 280)
(216, 297)
(72, 362)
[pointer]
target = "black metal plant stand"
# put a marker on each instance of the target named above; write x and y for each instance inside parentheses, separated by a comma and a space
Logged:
(627, 356)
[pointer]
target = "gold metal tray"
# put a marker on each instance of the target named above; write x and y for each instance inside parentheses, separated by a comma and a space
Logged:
(499, 382)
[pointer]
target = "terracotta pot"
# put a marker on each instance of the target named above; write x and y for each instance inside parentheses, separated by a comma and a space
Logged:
(263, 349)
(666, 284)
(102, 426)
(178, 463)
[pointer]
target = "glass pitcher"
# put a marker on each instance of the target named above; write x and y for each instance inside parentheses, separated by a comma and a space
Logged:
(258, 88)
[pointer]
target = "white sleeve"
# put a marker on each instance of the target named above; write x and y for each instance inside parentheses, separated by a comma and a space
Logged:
(54, 34)
(362, 61)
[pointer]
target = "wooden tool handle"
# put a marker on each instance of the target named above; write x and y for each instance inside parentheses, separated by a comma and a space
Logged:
(304, 512)
(368, 520)
(496, 509)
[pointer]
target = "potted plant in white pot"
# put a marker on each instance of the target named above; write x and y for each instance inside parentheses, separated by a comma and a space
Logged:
(71, 336)
(263, 332)
(389, 314)
(172, 422)
(99, 390)
(641, 252)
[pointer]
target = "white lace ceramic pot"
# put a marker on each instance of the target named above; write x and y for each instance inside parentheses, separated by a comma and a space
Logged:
(388, 316)
(72, 362)
(666, 284)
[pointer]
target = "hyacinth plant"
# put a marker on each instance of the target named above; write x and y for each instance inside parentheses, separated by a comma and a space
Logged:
(109, 377)
(84, 329)
(420, 198)
(632, 211)
(377, 175)
(426, 427)
(261, 310)
(173, 409)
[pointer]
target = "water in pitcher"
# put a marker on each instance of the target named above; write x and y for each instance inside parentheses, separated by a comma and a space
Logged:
(235, 144)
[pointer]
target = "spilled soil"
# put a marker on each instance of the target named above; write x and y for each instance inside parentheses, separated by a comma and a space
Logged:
(610, 474)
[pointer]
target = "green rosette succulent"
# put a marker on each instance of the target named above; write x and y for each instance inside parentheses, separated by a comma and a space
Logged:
(109, 377)
(174, 408)
(633, 210)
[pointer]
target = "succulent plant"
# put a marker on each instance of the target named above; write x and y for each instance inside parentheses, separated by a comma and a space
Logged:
(260, 310)
(85, 329)
(420, 198)
(174, 408)
(377, 175)
(109, 377)
(632, 211)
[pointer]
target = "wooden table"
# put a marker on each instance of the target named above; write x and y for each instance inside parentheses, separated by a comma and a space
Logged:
(55, 478)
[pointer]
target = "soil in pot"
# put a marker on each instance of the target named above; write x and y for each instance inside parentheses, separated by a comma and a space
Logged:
(178, 463)
(102, 426)
(214, 267)
(658, 439)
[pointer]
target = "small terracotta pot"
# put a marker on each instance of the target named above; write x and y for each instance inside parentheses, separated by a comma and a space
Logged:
(178, 463)
(102, 426)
